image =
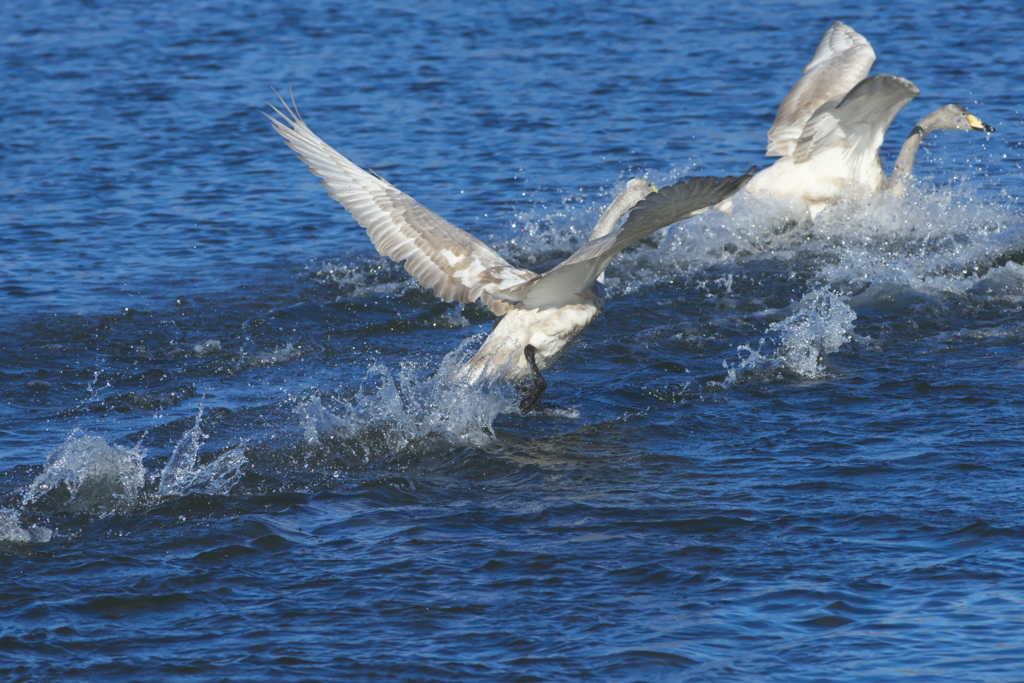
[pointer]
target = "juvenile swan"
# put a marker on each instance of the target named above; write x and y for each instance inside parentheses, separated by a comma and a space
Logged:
(541, 313)
(831, 125)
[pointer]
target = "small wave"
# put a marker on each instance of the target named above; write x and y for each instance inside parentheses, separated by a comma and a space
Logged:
(262, 359)
(1003, 283)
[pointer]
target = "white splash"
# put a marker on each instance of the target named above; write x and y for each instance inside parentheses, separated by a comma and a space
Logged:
(364, 281)
(820, 325)
(932, 242)
(183, 475)
(407, 407)
(87, 475)
(821, 322)
(12, 531)
(544, 235)
(936, 239)
(99, 478)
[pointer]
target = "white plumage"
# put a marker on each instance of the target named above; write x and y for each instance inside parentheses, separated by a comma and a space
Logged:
(831, 125)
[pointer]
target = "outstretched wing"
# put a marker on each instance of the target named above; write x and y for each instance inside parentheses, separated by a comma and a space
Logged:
(450, 261)
(660, 209)
(859, 121)
(844, 58)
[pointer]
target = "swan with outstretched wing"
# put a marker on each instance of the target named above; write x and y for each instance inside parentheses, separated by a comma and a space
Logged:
(541, 313)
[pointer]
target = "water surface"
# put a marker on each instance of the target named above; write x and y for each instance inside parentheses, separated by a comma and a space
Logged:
(227, 447)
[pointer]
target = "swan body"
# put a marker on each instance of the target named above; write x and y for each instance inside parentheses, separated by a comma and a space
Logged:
(547, 330)
(542, 313)
(836, 154)
(831, 125)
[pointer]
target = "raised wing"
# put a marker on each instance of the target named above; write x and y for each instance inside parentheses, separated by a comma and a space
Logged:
(859, 121)
(844, 58)
(450, 261)
(669, 205)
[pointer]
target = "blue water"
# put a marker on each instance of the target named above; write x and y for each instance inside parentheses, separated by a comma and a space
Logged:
(785, 453)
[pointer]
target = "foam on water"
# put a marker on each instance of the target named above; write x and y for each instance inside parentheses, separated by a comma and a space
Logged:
(934, 239)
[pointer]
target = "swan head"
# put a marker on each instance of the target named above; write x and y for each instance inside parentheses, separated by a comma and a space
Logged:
(953, 117)
(636, 189)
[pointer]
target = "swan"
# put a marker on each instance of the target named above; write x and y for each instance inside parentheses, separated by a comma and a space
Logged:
(830, 126)
(540, 313)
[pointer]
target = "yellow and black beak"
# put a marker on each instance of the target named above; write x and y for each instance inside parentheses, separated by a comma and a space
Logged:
(654, 188)
(977, 124)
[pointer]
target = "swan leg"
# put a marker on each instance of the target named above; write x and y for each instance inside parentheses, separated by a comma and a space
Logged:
(531, 399)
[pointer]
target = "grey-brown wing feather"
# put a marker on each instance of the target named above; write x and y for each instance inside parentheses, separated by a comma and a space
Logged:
(669, 205)
(859, 120)
(843, 58)
(442, 257)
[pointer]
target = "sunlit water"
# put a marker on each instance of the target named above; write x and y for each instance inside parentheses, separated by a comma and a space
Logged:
(232, 447)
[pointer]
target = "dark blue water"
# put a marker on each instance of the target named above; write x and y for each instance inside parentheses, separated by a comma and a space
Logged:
(786, 453)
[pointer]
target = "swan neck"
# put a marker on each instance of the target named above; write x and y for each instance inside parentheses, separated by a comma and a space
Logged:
(611, 216)
(619, 207)
(908, 155)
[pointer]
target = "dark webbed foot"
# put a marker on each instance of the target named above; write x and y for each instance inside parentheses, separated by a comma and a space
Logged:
(531, 399)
